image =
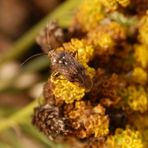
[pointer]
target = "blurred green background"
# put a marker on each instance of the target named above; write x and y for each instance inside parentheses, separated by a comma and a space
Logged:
(21, 83)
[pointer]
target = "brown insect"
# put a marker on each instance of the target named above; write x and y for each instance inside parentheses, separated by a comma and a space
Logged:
(64, 62)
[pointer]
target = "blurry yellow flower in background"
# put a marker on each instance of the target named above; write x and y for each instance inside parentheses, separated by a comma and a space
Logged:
(141, 55)
(125, 139)
(140, 75)
(90, 14)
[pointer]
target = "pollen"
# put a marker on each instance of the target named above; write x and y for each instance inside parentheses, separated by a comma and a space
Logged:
(65, 90)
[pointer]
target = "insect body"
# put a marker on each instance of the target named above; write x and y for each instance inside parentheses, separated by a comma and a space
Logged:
(64, 63)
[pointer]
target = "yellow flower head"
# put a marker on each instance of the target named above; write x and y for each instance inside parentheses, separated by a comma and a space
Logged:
(137, 99)
(113, 4)
(143, 29)
(89, 15)
(110, 4)
(83, 52)
(89, 71)
(140, 75)
(141, 55)
(140, 122)
(104, 37)
(125, 139)
(104, 41)
(123, 3)
(65, 90)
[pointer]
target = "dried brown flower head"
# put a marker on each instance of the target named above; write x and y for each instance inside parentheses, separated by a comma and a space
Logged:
(105, 88)
(87, 120)
(50, 121)
(51, 37)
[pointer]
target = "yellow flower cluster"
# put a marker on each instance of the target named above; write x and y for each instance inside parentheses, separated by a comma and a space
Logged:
(113, 4)
(137, 99)
(123, 3)
(88, 120)
(104, 37)
(140, 123)
(143, 29)
(140, 76)
(65, 90)
(83, 52)
(141, 55)
(125, 139)
(89, 71)
(90, 14)
(110, 4)
(116, 30)
(102, 41)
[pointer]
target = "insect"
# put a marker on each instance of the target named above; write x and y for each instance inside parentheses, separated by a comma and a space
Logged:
(63, 62)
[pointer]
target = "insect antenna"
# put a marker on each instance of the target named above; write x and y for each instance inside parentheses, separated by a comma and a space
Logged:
(31, 57)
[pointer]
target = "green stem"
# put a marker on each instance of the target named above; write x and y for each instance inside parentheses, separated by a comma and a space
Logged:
(62, 14)
(30, 130)
(32, 67)
(18, 117)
